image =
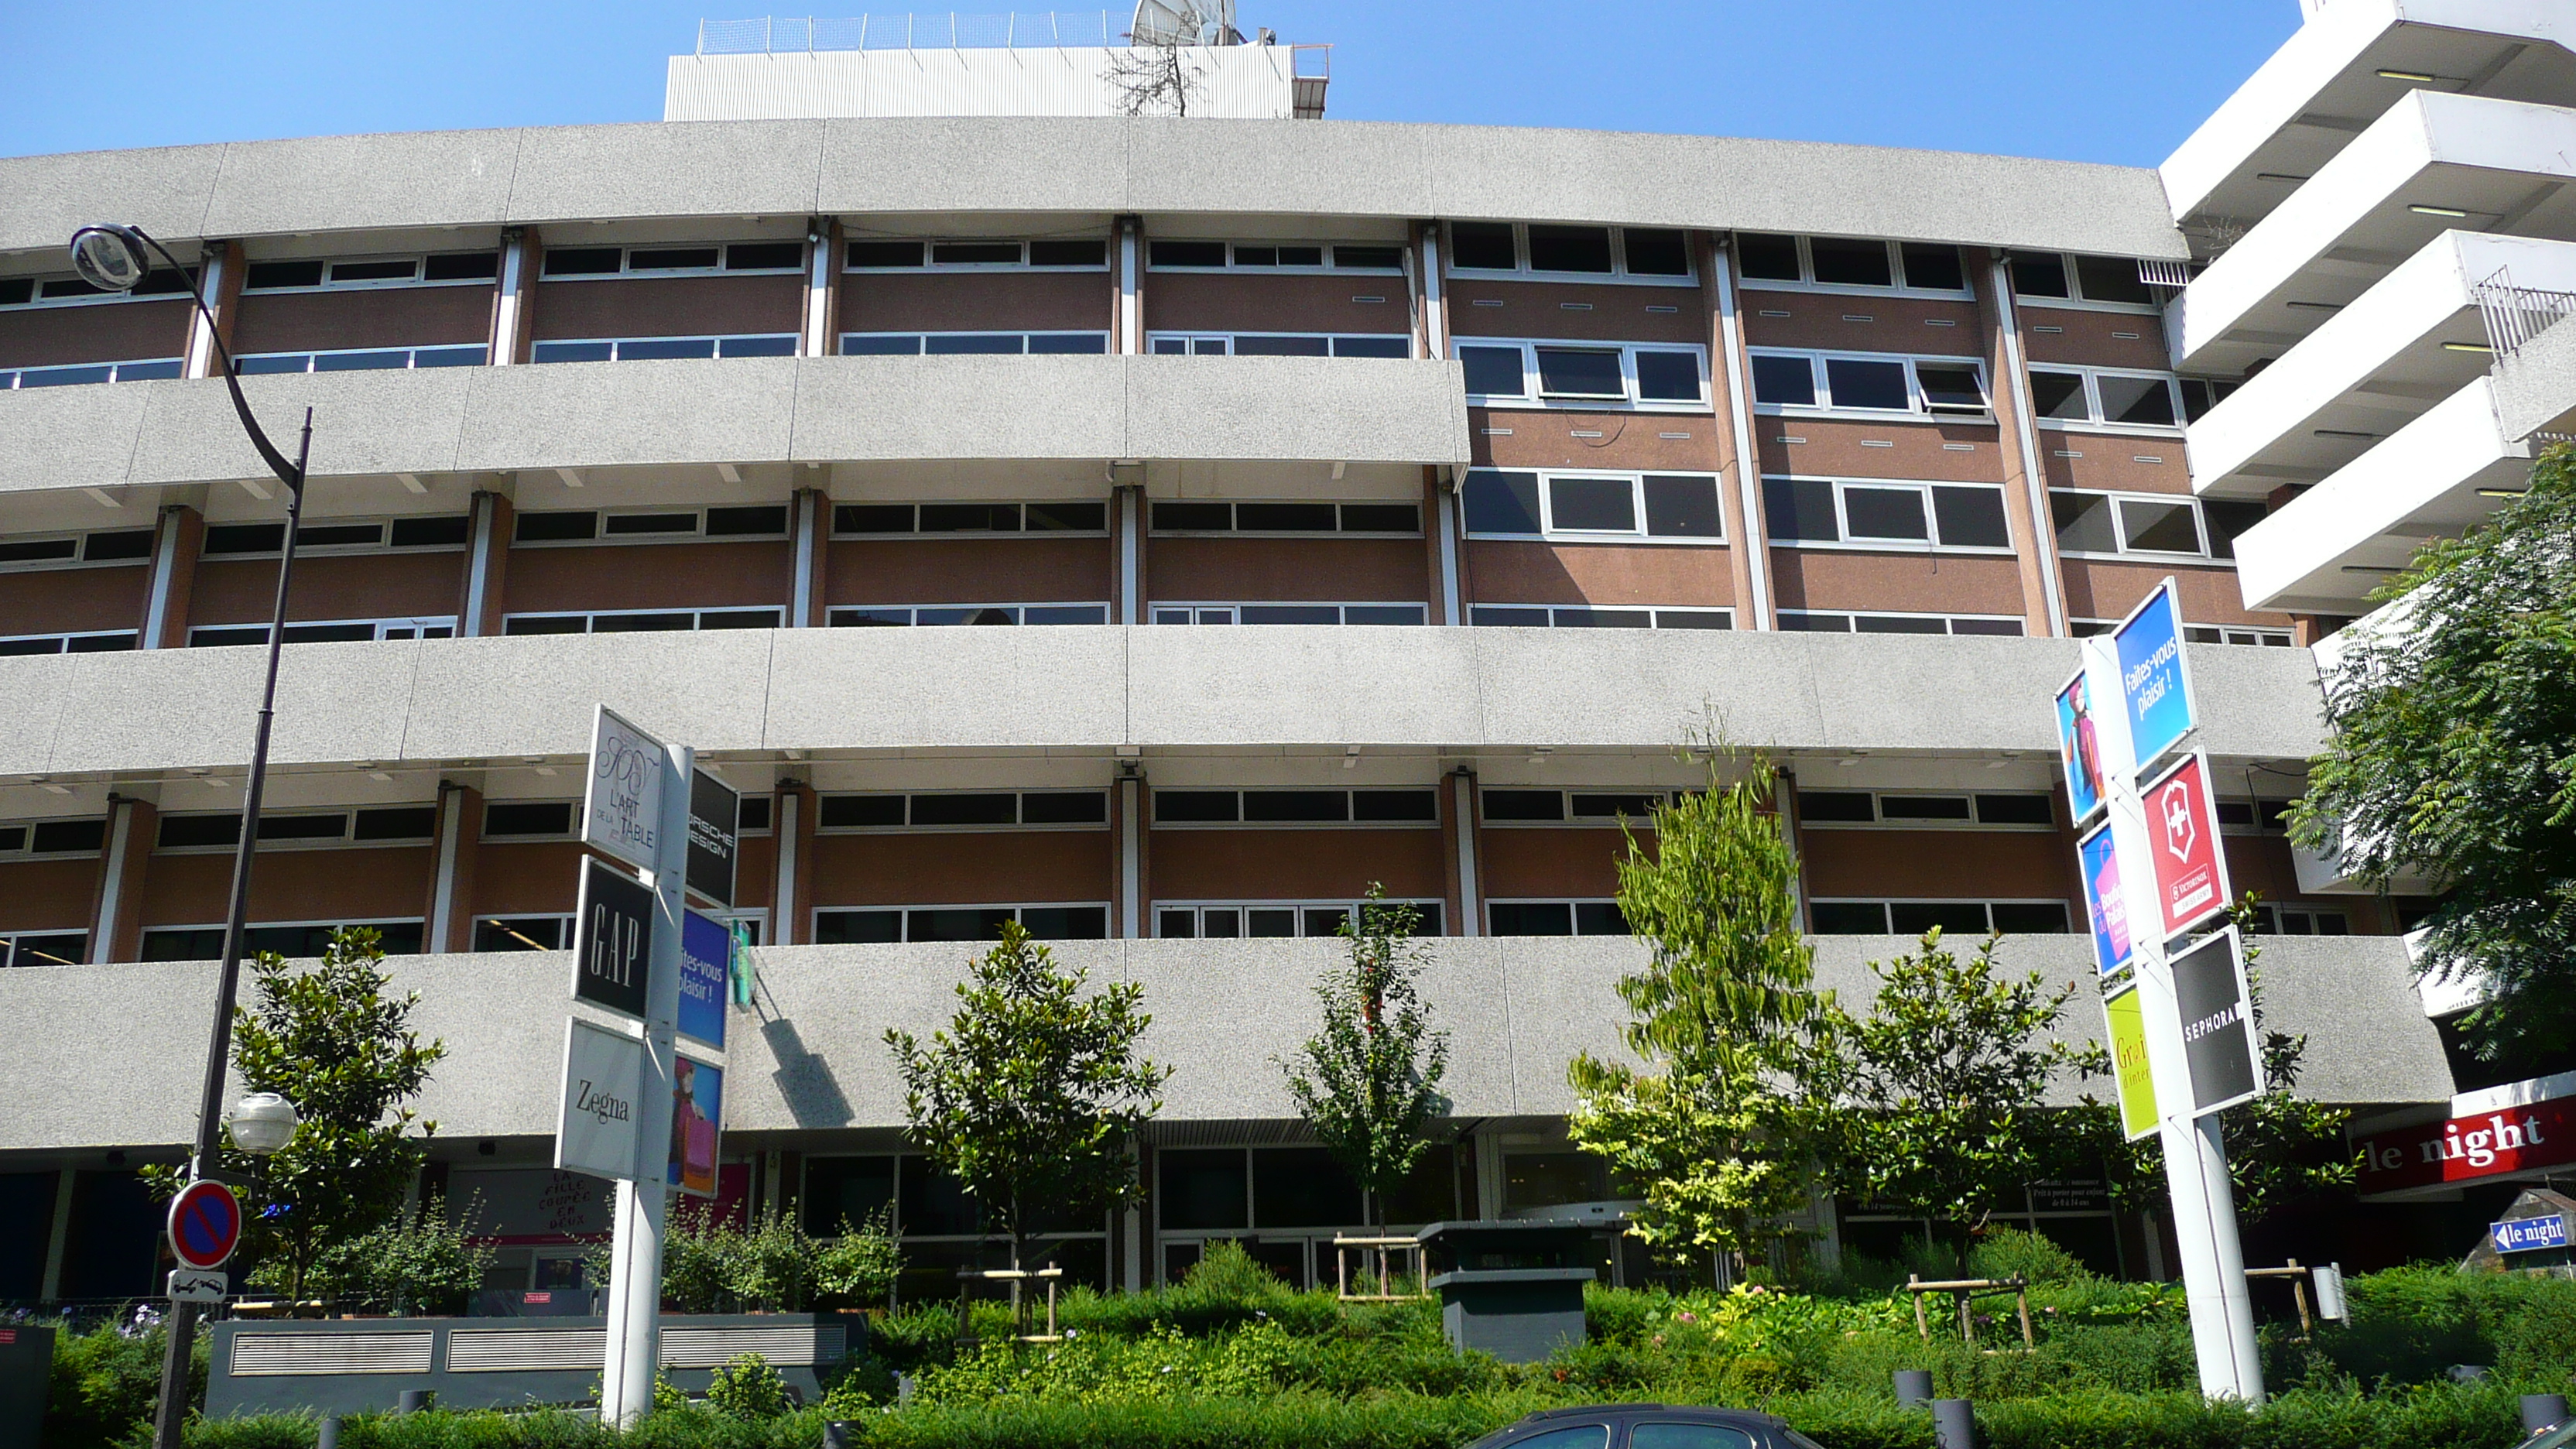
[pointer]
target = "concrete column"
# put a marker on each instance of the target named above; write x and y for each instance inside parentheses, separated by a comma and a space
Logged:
(1431, 291)
(178, 535)
(1739, 451)
(2025, 465)
(1459, 844)
(448, 919)
(822, 288)
(1129, 268)
(1129, 888)
(58, 1233)
(1440, 547)
(791, 822)
(809, 523)
(514, 297)
(484, 593)
(222, 284)
(116, 911)
(1127, 567)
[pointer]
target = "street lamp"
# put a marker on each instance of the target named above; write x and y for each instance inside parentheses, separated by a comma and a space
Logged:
(262, 1122)
(116, 258)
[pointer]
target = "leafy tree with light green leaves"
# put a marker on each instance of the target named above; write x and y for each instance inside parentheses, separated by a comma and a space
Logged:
(329, 1038)
(1033, 1095)
(1368, 1082)
(421, 1262)
(1935, 1095)
(1711, 1129)
(2454, 756)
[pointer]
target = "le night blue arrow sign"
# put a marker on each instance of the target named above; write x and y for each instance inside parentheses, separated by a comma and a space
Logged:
(2524, 1235)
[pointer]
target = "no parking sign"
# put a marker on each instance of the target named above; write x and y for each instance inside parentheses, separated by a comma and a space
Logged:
(205, 1224)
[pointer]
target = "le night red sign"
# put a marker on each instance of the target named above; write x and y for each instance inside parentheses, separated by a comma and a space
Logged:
(2464, 1149)
(2182, 835)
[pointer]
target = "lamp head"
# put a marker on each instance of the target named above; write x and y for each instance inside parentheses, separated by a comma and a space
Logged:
(110, 257)
(262, 1122)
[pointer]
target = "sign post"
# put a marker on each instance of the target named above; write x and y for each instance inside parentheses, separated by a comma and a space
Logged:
(2156, 872)
(205, 1227)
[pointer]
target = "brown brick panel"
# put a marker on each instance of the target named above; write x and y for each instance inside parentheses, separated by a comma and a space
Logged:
(1360, 570)
(1538, 309)
(968, 571)
(1935, 864)
(103, 332)
(335, 586)
(648, 576)
(1903, 583)
(1511, 572)
(1896, 324)
(967, 868)
(51, 601)
(2110, 588)
(2093, 338)
(526, 878)
(2262, 864)
(1837, 449)
(391, 317)
(670, 307)
(1545, 438)
(976, 302)
(755, 875)
(1289, 865)
(1544, 862)
(1207, 302)
(2112, 463)
(47, 895)
(291, 885)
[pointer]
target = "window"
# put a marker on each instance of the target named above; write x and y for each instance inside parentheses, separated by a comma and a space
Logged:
(1389, 519)
(861, 520)
(888, 925)
(1586, 375)
(1592, 507)
(644, 349)
(1844, 264)
(335, 535)
(53, 837)
(2300, 921)
(1590, 616)
(1941, 387)
(57, 291)
(373, 359)
(529, 820)
(878, 616)
(315, 274)
(294, 940)
(1296, 808)
(1556, 918)
(1831, 621)
(44, 948)
(2061, 279)
(1956, 918)
(2200, 394)
(657, 525)
(123, 545)
(947, 810)
(963, 344)
(2254, 817)
(147, 370)
(1208, 256)
(1280, 344)
(1909, 810)
(109, 641)
(2100, 396)
(673, 259)
(1047, 254)
(1517, 806)
(1230, 920)
(1276, 613)
(375, 825)
(2233, 634)
(1643, 254)
(523, 933)
(641, 621)
(1878, 513)
(324, 631)
(2112, 524)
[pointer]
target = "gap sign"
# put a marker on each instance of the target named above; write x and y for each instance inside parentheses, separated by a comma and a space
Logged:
(612, 939)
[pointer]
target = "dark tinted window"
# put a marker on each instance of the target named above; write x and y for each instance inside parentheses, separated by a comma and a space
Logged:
(1068, 253)
(41, 550)
(129, 543)
(1682, 506)
(1593, 505)
(1532, 918)
(2155, 527)
(182, 832)
(1187, 253)
(430, 532)
(17, 291)
(303, 827)
(670, 259)
(1971, 517)
(1483, 244)
(1301, 1187)
(2015, 810)
(1194, 517)
(1951, 387)
(1395, 805)
(1066, 923)
(1885, 513)
(1071, 807)
(1767, 258)
(992, 809)
(1784, 381)
(1502, 502)
(885, 254)
(2226, 521)
(1203, 1188)
(544, 818)
(872, 518)
(283, 274)
(1580, 372)
(1840, 807)
(1653, 252)
(1064, 517)
(581, 261)
(970, 518)
(1667, 377)
(2059, 395)
(727, 522)
(1569, 248)
(245, 538)
(1493, 370)
(1285, 517)
(1934, 267)
(2144, 400)
(2043, 918)
(2111, 279)
(2039, 274)
(557, 527)
(1922, 807)
(1381, 258)
(1296, 806)
(1193, 805)
(67, 836)
(1258, 346)
(1381, 518)
(400, 822)
(1956, 918)
(1859, 383)
(1848, 918)
(463, 267)
(852, 812)
(1524, 805)
(1799, 509)
(975, 254)
(1606, 807)
(763, 256)
(1850, 263)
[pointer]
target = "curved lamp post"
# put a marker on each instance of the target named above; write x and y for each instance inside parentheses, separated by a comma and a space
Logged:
(117, 259)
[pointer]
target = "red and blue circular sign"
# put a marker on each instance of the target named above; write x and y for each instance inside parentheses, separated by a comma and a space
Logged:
(205, 1224)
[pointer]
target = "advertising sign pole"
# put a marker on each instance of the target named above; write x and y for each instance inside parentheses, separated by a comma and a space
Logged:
(635, 1266)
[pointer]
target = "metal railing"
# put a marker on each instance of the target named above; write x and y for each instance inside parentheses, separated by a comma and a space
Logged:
(945, 30)
(2515, 315)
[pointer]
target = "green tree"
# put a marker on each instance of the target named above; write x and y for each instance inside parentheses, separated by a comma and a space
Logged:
(418, 1263)
(1711, 1129)
(1033, 1094)
(1368, 1082)
(327, 1037)
(1936, 1094)
(2454, 755)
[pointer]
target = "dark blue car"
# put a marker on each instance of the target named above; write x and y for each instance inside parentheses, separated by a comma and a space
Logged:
(1646, 1426)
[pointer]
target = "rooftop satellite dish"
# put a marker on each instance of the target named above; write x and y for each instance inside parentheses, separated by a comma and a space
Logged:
(1185, 22)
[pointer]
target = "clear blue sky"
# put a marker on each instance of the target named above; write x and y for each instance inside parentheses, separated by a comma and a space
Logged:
(2092, 80)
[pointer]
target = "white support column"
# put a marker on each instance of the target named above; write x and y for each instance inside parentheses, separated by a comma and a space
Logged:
(1748, 460)
(1471, 907)
(821, 266)
(787, 924)
(446, 902)
(802, 603)
(2043, 529)
(509, 303)
(1435, 294)
(1131, 555)
(1131, 856)
(200, 361)
(1131, 295)
(1452, 598)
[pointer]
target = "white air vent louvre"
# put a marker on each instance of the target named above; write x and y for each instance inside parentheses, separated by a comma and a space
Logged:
(787, 1344)
(277, 1354)
(506, 1350)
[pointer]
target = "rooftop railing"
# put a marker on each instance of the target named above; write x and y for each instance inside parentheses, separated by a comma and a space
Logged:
(2515, 315)
(935, 31)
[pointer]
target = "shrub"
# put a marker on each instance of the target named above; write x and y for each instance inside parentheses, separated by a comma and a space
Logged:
(419, 1263)
(747, 1388)
(2010, 1252)
(103, 1384)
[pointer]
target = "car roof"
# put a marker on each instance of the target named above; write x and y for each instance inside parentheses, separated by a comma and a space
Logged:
(1687, 1413)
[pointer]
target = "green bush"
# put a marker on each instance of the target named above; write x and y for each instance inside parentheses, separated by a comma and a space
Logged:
(747, 1388)
(103, 1384)
(2010, 1252)
(418, 1263)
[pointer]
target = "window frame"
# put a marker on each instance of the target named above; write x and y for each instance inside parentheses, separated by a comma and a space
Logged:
(1340, 519)
(2075, 300)
(26, 849)
(1522, 270)
(1918, 405)
(63, 641)
(1973, 822)
(1984, 903)
(592, 616)
(628, 271)
(1330, 267)
(1107, 522)
(1199, 907)
(600, 537)
(1568, 820)
(420, 273)
(832, 620)
(1548, 533)
(1331, 340)
(2094, 421)
(1155, 608)
(10, 947)
(2120, 526)
(814, 918)
(340, 923)
(1931, 520)
(164, 290)
(346, 840)
(13, 379)
(616, 344)
(1533, 397)
(388, 629)
(1895, 268)
(1573, 913)
(1108, 256)
(1019, 812)
(1949, 623)
(841, 343)
(1154, 821)
(1654, 616)
(411, 358)
(79, 538)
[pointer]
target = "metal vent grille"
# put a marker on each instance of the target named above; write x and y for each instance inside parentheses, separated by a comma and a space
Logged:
(276, 1354)
(503, 1350)
(799, 1344)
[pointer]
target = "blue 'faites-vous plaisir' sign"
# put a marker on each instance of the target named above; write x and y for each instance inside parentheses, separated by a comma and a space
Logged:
(2152, 678)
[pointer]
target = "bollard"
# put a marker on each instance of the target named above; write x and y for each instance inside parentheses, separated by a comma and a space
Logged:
(1954, 1424)
(327, 1434)
(1913, 1388)
(2539, 1411)
(837, 1434)
(413, 1401)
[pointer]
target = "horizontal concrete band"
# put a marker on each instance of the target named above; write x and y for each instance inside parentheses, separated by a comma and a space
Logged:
(2535, 388)
(729, 169)
(110, 1055)
(744, 410)
(1088, 689)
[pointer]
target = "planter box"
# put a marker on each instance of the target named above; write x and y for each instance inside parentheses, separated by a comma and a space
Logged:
(342, 1366)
